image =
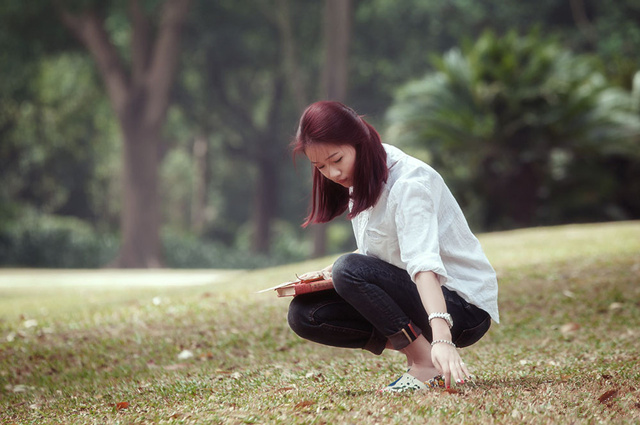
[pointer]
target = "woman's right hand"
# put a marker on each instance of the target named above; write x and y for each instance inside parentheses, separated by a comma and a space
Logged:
(325, 273)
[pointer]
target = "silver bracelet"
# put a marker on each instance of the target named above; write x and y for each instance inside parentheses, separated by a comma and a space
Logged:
(445, 316)
(444, 341)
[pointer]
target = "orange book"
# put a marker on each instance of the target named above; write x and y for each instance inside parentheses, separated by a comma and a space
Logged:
(311, 282)
(300, 287)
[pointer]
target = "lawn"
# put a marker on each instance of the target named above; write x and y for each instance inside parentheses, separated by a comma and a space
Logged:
(191, 347)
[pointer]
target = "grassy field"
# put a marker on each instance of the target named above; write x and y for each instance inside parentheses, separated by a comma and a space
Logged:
(191, 347)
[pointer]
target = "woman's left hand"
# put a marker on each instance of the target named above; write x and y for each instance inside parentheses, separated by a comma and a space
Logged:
(447, 360)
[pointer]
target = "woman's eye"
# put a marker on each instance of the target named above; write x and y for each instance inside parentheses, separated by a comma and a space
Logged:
(338, 160)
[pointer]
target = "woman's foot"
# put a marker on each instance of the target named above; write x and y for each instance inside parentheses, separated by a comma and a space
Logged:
(407, 382)
(419, 359)
(422, 372)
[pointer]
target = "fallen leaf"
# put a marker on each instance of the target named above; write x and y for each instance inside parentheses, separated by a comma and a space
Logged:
(31, 323)
(316, 376)
(185, 354)
(305, 403)
(122, 405)
(569, 328)
(206, 356)
(607, 396)
(20, 389)
(615, 306)
(175, 366)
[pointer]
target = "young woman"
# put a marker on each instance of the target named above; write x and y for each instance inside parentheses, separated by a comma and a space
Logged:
(419, 282)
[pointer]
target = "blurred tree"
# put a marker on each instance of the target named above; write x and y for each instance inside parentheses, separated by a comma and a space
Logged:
(233, 93)
(509, 115)
(335, 76)
(46, 160)
(59, 144)
(243, 92)
(140, 99)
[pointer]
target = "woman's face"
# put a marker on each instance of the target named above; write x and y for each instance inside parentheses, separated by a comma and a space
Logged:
(335, 162)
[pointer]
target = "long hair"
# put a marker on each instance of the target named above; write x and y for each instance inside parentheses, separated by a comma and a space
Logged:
(334, 123)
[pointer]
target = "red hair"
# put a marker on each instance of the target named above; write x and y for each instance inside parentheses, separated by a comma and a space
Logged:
(336, 124)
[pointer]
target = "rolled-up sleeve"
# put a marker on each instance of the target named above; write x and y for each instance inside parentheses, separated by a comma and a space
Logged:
(415, 204)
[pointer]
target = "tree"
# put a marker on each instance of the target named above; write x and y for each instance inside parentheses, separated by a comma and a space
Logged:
(140, 99)
(335, 76)
(507, 119)
(233, 94)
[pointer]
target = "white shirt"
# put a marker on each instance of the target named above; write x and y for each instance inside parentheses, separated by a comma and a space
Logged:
(417, 225)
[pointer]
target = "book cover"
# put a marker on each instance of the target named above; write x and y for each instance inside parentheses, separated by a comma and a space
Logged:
(298, 288)
(308, 282)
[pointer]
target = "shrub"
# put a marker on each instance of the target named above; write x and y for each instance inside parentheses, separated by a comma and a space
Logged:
(56, 242)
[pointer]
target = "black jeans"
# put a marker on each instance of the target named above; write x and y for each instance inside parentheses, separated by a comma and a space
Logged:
(375, 302)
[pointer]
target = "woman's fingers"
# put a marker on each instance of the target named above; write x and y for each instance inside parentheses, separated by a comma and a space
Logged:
(448, 361)
(459, 372)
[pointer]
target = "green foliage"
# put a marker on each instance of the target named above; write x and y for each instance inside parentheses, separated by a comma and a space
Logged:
(57, 154)
(29, 239)
(510, 120)
(54, 242)
(182, 250)
(60, 144)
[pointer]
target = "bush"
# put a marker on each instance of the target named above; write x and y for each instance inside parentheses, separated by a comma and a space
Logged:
(46, 241)
(187, 251)
(55, 242)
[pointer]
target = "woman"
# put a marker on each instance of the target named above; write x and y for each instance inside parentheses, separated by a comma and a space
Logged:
(419, 282)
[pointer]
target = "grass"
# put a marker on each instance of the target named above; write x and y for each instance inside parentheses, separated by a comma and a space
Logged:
(105, 347)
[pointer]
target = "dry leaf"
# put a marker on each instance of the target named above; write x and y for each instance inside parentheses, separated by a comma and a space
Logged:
(607, 396)
(569, 328)
(615, 306)
(122, 405)
(185, 355)
(206, 356)
(175, 366)
(305, 403)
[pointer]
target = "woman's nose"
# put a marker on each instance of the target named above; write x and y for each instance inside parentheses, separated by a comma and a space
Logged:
(334, 172)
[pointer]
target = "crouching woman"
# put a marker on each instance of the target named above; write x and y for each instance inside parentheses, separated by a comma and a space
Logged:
(419, 282)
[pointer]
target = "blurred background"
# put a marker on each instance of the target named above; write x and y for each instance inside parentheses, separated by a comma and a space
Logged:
(155, 133)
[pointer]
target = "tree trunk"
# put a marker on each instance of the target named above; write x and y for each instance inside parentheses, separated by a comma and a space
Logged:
(337, 30)
(201, 166)
(337, 35)
(264, 204)
(140, 217)
(522, 193)
(140, 99)
(268, 155)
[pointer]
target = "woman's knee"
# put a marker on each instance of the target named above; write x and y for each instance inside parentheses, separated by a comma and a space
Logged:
(345, 262)
(344, 271)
